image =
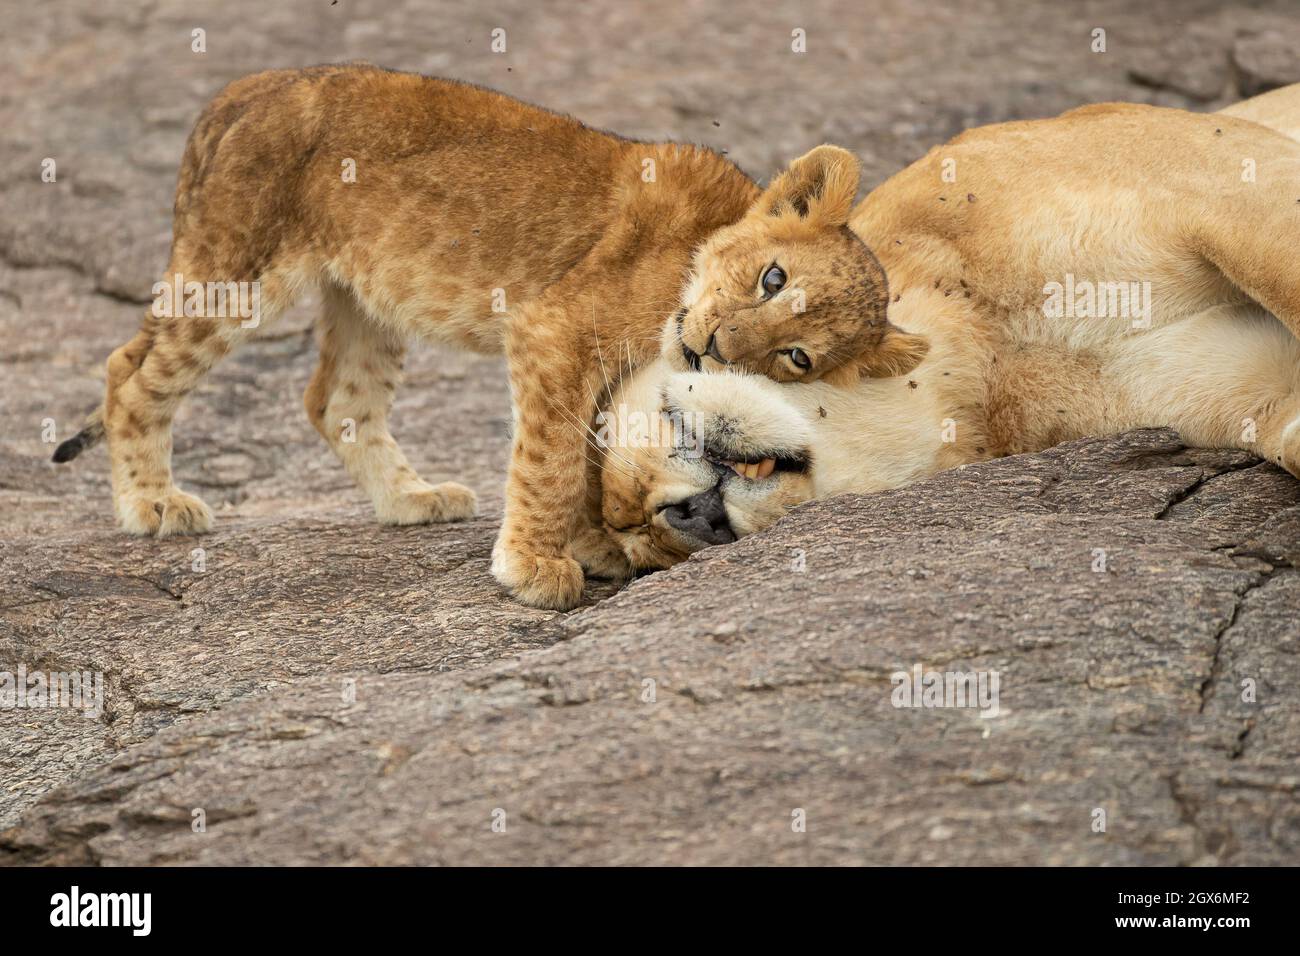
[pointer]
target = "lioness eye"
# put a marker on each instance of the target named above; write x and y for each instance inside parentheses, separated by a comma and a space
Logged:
(773, 279)
(801, 359)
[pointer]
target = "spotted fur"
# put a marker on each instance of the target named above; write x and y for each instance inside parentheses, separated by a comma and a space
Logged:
(471, 219)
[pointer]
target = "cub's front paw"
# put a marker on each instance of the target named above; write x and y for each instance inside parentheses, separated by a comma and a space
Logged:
(599, 555)
(169, 514)
(551, 583)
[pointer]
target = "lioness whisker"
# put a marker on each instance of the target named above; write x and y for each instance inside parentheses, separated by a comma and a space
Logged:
(587, 433)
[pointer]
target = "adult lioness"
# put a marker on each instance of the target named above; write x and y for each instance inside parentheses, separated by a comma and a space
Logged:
(1116, 267)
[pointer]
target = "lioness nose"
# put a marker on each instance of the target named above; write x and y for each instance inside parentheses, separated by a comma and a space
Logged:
(703, 517)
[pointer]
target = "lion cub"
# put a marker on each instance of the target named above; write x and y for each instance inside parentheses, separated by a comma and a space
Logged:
(424, 207)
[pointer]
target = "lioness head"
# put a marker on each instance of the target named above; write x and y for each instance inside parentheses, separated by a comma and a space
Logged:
(693, 460)
(789, 291)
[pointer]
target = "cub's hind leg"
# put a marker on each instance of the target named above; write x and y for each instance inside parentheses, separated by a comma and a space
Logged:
(348, 401)
(147, 380)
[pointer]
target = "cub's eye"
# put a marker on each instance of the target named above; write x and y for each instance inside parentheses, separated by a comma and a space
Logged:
(800, 359)
(773, 280)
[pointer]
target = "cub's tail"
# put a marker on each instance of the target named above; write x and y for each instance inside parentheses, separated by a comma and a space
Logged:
(92, 434)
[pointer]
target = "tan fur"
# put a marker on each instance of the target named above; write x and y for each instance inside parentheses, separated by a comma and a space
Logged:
(833, 306)
(1107, 193)
(462, 200)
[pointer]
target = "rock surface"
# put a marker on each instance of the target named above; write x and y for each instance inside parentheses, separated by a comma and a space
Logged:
(1267, 60)
(1227, 55)
(325, 690)
(1122, 590)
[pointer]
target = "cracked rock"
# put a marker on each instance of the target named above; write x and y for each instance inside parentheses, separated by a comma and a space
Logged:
(687, 717)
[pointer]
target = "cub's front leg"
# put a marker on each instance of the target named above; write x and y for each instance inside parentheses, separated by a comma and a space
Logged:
(556, 378)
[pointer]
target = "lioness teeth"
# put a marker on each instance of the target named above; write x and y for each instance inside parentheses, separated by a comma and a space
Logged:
(753, 470)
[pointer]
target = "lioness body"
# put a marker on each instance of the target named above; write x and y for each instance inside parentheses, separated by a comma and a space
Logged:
(1177, 212)
(1108, 194)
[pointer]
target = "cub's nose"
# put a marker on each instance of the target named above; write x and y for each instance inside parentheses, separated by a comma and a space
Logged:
(703, 517)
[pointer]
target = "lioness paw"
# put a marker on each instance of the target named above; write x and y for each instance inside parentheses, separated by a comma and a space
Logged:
(429, 505)
(170, 514)
(551, 583)
(1290, 447)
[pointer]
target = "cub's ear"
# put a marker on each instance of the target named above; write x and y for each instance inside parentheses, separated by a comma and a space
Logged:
(819, 186)
(897, 353)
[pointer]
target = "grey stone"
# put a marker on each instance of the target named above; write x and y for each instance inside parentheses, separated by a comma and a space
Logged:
(1267, 60)
(1194, 64)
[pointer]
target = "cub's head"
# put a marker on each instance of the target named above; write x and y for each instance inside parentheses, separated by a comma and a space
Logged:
(789, 291)
(692, 460)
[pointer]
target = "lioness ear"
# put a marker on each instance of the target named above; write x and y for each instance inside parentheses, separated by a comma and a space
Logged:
(897, 353)
(819, 186)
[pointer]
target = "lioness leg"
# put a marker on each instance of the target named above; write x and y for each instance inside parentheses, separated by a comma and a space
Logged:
(1248, 229)
(348, 401)
(149, 377)
(1228, 377)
